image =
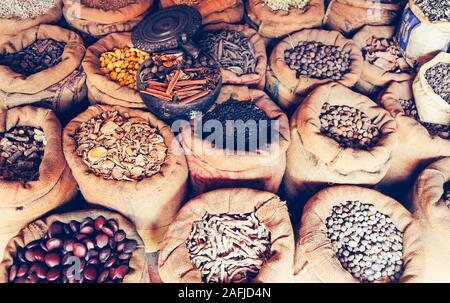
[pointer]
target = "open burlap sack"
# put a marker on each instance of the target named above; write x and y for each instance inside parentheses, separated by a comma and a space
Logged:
(211, 168)
(21, 204)
(417, 147)
(431, 107)
(214, 11)
(275, 24)
(347, 16)
(304, 85)
(61, 87)
(373, 78)
(100, 88)
(174, 263)
(314, 160)
(37, 229)
(257, 79)
(151, 204)
(315, 260)
(99, 22)
(12, 27)
(434, 217)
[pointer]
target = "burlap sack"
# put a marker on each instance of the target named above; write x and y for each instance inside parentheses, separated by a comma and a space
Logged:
(215, 11)
(150, 204)
(430, 106)
(37, 229)
(61, 87)
(100, 88)
(420, 38)
(315, 260)
(305, 85)
(98, 22)
(416, 148)
(20, 205)
(212, 168)
(347, 16)
(174, 263)
(434, 217)
(373, 78)
(12, 27)
(257, 79)
(314, 160)
(275, 24)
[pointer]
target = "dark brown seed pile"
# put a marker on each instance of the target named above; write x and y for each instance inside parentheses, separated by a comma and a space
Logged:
(435, 10)
(438, 77)
(316, 60)
(258, 132)
(348, 126)
(21, 152)
(87, 252)
(446, 195)
(409, 106)
(39, 56)
(108, 5)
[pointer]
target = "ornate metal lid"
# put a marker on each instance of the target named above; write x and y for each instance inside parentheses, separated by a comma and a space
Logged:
(167, 29)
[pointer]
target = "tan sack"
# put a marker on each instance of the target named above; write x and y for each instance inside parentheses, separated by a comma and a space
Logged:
(100, 88)
(373, 78)
(214, 11)
(212, 168)
(432, 108)
(151, 204)
(434, 217)
(315, 260)
(175, 265)
(417, 146)
(314, 160)
(257, 79)
(347, 16)
(61, 87)
(99, 22)
(420, 38)
(275, 24)
(12, 27)
(21, 204)
(304, 85)
(35, 230)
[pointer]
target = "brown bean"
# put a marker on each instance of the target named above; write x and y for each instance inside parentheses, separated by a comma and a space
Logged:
(55, 229)
(114, 225)
(39, 254)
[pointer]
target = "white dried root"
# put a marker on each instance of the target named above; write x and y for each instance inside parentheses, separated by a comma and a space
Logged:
(285, 5)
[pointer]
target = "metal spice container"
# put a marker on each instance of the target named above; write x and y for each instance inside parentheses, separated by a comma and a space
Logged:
(231, 49)
(229, 248)
(21, 152)
(120, 147)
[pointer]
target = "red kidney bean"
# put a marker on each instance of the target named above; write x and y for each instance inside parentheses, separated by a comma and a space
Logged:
(99, 223)
(101, 240)
(79, 250)
(108, 231)
(21, 256)
(32, 244)
(29, 255)
(119, 272)
(89, 244)
(87, 221)
(119, 236)
(68, 245)
(93, 261)
(124, 256)
(12, 273)
(33, 278)
(120, 247)
(111, 262)
(54, 243)
(55, 229)
(104, 254)
(103, 276)
(39, 269)
(87, 230)
(74, 226)
(80, 237)
(130, 246)
(90, 273)
(53, 274)
(113, 224)
(22, 271)
(39, 254)
(52, 260)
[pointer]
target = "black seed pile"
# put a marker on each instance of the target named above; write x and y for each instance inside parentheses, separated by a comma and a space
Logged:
(437, 10)
(438, 77)
(446, 195)
(232, 111)
(38, 56)
(316, 60)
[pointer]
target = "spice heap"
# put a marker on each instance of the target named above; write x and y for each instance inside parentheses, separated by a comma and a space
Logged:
(446, 195)
(229, 248)
(120, 147)
(90, 251)
(285, 5)
(348, 126)
(108, 5)
(438, 77)
(121, 65)
(435, 10)
(38, 56)
(229, 114)
(409, 107)
(316, 60)
(232, 50)
(25, 9)
(178, 77)
(187, 2)
(21, 152)
(366, 242)
(386, 54)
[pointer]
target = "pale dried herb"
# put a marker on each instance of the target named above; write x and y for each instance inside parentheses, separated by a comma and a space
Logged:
(385, 54)
(285, 5)
(120, 147)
